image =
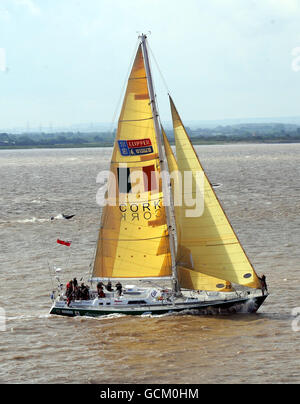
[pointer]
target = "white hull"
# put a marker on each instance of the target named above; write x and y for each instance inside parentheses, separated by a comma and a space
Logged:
(141, 301)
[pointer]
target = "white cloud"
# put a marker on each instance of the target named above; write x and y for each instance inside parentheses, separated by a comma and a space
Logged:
(30, 5)
(284, 6)
(296, 60)
(2, 60)
(4, 15)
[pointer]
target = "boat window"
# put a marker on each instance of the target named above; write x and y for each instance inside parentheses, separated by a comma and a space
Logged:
(137, 302)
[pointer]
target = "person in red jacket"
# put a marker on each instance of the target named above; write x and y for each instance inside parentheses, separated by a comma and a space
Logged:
(69, 292)
(101, 293)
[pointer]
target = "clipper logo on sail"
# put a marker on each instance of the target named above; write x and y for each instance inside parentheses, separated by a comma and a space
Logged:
(135, 147)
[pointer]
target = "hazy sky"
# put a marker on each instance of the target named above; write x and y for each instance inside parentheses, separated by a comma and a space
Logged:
(65, 61)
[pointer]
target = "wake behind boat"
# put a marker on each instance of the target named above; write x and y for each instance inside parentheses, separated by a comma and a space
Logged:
(163, 223)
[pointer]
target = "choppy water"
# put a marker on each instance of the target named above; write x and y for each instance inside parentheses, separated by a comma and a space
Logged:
(260, 192)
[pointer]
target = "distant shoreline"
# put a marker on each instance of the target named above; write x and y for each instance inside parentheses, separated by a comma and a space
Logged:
(236, 134)
(111, 144)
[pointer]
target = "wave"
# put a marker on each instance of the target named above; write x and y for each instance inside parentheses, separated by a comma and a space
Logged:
(28, 316)
(33, 220)
(60, 216)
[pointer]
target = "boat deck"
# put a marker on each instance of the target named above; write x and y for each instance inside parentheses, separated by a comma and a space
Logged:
(211, 305)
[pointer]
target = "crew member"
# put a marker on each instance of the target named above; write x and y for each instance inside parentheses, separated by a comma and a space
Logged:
(119, 288)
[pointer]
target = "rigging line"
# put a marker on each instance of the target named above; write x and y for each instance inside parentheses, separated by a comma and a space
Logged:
(94, 251)
(158, 68)
(51, 276)
(68, 258)
(92, 260)
(123, 88)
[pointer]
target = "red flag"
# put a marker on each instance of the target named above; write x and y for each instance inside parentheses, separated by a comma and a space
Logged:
(67, 243)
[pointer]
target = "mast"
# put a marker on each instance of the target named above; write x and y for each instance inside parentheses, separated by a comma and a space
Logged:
(163, 164)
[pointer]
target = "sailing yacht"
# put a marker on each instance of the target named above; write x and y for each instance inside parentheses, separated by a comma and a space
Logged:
(169, 257)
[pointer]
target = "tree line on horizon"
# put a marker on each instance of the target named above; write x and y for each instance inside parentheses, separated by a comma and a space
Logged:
(286, 133)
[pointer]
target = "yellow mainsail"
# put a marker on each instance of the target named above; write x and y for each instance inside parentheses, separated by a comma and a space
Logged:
(133, 239)
(208, 244)
(189, 278)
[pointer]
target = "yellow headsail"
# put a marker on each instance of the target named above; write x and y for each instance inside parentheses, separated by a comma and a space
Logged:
(133, 239)
(208, 242)
(189, 278)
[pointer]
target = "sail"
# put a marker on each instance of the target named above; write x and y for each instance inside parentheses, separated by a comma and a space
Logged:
(208, 242)
(133, 239)
(189, 278)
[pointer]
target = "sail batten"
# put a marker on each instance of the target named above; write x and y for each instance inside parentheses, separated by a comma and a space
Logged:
(209, 238)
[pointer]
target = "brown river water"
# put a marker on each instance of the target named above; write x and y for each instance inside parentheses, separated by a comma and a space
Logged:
(260, 189)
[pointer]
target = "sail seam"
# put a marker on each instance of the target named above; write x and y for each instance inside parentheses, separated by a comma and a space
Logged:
(142, 200)
(136, 120)
(220, 244)
(136, 239)
(135, 161)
